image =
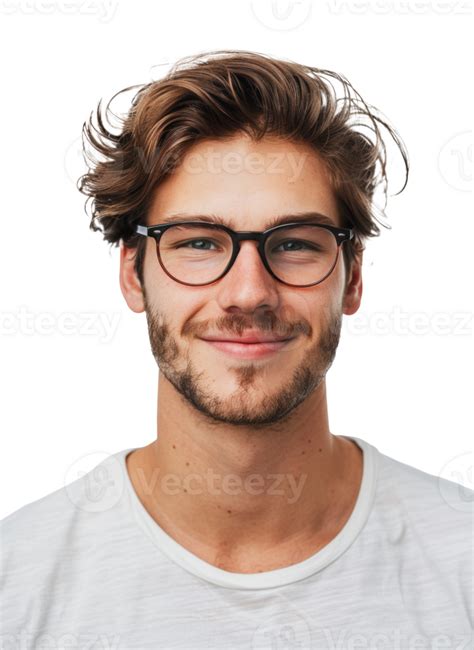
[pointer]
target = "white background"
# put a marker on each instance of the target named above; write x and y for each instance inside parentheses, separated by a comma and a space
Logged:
(401, 377)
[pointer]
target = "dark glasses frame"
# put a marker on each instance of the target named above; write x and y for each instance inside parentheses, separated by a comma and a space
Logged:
(340, 234)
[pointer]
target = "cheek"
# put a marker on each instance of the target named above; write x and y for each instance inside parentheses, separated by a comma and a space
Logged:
(312, 307)
(334, 284)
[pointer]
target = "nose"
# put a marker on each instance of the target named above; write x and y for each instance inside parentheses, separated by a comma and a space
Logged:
(248, 286)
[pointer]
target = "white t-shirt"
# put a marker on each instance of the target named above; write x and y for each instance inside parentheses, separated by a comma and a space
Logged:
(87, 567)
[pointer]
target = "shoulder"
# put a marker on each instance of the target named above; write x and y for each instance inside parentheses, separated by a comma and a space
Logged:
(47, 544)
(440, 510)
(47, 531)
(36, 524)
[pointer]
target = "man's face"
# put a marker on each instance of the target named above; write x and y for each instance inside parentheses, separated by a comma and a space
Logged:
(247, 184)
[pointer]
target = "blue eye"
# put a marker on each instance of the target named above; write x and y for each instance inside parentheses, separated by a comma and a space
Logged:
(299, 243)
(194, 241)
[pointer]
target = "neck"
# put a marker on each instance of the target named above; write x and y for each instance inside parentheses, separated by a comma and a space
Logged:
(230, 494)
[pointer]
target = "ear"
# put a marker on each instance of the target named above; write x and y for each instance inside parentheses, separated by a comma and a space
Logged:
(129, 283)
(353, 291)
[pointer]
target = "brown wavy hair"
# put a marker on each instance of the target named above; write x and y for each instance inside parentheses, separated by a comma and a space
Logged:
(219, 94)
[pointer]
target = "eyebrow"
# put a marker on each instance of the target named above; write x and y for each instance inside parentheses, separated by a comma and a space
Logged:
(303, 217)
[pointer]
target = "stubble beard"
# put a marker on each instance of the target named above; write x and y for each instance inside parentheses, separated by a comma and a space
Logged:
(241, 408)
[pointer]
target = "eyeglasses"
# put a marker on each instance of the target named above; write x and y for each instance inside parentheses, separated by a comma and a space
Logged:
(197, 253)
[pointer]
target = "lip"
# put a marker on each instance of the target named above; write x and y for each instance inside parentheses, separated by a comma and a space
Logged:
(248, 338)
(247, 350)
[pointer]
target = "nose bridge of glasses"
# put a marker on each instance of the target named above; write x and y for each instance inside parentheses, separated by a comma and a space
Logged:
(250, 235)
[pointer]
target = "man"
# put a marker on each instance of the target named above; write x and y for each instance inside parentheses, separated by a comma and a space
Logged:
(241, 195)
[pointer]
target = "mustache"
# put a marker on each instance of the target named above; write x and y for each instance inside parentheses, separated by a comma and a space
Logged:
(239, 323)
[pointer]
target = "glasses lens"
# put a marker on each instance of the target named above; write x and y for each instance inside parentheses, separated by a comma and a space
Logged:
(195, 254)
(302, 254)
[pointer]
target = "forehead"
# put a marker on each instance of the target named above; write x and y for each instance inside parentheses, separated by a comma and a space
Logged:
(246, 182)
